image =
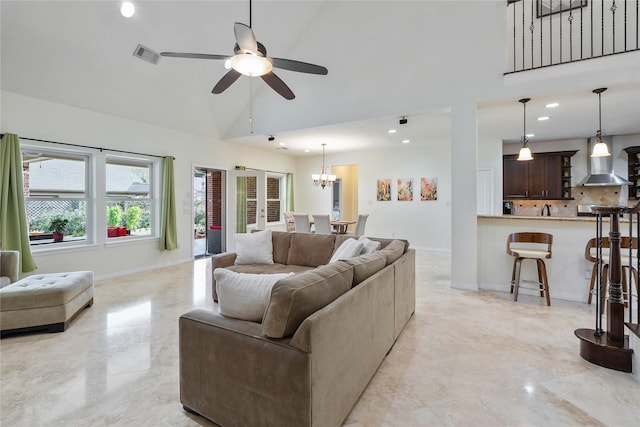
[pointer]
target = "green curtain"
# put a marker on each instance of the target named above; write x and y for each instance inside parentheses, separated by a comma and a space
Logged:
(289, 201)
(168, 231)
(241, 202)
(14, 233)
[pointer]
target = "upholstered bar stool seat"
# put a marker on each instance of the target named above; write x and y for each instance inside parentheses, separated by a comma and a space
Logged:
(530, 245)
(44, 301)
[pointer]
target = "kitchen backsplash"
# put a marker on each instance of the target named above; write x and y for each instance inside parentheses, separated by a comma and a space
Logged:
(605, 195)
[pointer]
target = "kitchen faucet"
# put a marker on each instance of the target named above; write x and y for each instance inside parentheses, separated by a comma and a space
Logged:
(548, 208)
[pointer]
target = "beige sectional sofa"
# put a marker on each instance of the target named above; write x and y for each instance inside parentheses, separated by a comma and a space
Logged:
(324, 333)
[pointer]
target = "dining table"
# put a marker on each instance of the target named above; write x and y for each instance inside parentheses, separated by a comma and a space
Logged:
(340, 226)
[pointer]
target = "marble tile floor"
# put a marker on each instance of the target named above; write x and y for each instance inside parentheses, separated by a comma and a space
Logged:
(465, 358)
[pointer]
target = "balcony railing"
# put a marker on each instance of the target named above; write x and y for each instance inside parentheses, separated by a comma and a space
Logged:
(543, 33)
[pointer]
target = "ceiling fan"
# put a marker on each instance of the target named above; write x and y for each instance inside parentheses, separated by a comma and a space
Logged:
(250, 59)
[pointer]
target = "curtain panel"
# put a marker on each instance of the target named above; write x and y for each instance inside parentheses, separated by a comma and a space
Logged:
(168, 230)
(14, 232)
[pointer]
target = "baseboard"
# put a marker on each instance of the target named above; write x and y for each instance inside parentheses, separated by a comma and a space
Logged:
(140, 269)
(565, 296)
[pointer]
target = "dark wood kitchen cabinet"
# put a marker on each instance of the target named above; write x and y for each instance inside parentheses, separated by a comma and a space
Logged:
(633, 160)
(547, 176)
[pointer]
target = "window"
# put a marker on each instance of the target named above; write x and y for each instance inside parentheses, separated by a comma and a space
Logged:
(129, 197)
(55, 186)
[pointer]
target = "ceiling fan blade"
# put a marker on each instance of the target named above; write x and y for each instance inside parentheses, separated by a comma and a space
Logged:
(245, 37)
(193, 55)
(226, 81)
(301, 67)
(278, 85)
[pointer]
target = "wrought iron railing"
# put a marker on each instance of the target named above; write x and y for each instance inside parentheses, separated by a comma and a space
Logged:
(542, 33)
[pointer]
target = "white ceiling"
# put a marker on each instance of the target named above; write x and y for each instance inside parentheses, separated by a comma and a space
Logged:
(386, 59)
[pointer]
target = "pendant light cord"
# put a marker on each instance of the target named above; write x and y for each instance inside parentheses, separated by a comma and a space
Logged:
(600, 112)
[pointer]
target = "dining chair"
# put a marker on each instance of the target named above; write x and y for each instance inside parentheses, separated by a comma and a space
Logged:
(301, 221)
(361, 222)
(322, 224)
(290, 223)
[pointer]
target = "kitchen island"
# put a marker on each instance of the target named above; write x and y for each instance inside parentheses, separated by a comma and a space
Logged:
(568, 270)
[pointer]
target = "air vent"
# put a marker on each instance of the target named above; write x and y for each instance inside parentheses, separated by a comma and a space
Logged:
(146, 54)
(281, 148)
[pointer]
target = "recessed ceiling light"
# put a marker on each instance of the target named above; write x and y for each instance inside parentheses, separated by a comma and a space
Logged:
(543, 118)
(127, 9)
(307, 151)
(405, 141)
(392, 131)
(282, 143)
(531, 135)
(552, 105)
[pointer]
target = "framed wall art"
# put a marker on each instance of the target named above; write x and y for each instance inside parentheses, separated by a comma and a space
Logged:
(429, 188)
(383, 190)
(405, 189)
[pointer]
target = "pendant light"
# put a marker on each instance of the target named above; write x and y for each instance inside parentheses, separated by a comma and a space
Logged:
(525, 151)
(323, 179)
(600, 148)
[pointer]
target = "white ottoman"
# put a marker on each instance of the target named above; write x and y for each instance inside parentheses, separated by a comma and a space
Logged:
(44, 301)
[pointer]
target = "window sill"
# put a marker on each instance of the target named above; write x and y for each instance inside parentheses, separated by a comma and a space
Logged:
(129, 240)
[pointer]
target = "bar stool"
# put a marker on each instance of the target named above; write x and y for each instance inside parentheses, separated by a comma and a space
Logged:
(591, 255)
(530, 245)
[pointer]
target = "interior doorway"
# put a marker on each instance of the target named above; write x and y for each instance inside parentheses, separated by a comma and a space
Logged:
(208, 212)
(345, 193)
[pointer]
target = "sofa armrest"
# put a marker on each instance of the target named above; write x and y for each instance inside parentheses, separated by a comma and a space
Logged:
(226, 259)
(10, 265)
(233, 376)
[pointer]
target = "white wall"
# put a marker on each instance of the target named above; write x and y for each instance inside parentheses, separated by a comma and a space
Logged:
(34, 118)
(426, 224)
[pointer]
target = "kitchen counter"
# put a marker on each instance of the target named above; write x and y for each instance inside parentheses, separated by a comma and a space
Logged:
(590, 219)
(568, 270)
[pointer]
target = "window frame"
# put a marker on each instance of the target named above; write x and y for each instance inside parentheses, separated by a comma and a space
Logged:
(282, 181)
(152, 199)
(88, 197)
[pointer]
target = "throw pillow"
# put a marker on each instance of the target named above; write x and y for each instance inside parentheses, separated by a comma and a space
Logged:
(348, 249)
(254, 248)
(369, 245)
(244, 295)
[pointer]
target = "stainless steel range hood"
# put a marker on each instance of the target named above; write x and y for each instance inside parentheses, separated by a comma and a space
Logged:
(600, 169)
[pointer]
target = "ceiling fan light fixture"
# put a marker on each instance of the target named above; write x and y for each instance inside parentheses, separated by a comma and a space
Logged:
(250, 64)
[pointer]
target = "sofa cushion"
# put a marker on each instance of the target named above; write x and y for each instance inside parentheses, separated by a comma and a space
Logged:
(281, 242)
(369, 245)
(254, 248)
(348, 249)
(393, 251)
(293, 299)
(310, 249)
(244, 295)
(366, 265)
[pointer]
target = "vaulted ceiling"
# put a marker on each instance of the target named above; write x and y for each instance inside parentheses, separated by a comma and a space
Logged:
(386, 59)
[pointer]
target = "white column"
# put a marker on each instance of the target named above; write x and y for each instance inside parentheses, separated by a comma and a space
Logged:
(464, 226)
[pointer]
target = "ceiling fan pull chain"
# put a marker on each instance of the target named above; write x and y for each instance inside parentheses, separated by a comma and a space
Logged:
(251, 105)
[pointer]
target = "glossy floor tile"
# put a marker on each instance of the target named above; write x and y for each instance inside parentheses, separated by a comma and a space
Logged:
(465, 358)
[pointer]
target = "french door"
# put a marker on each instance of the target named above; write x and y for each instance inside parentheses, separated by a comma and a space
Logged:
(247, 203)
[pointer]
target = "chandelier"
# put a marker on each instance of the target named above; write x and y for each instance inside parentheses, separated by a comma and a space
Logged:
(323, 179)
